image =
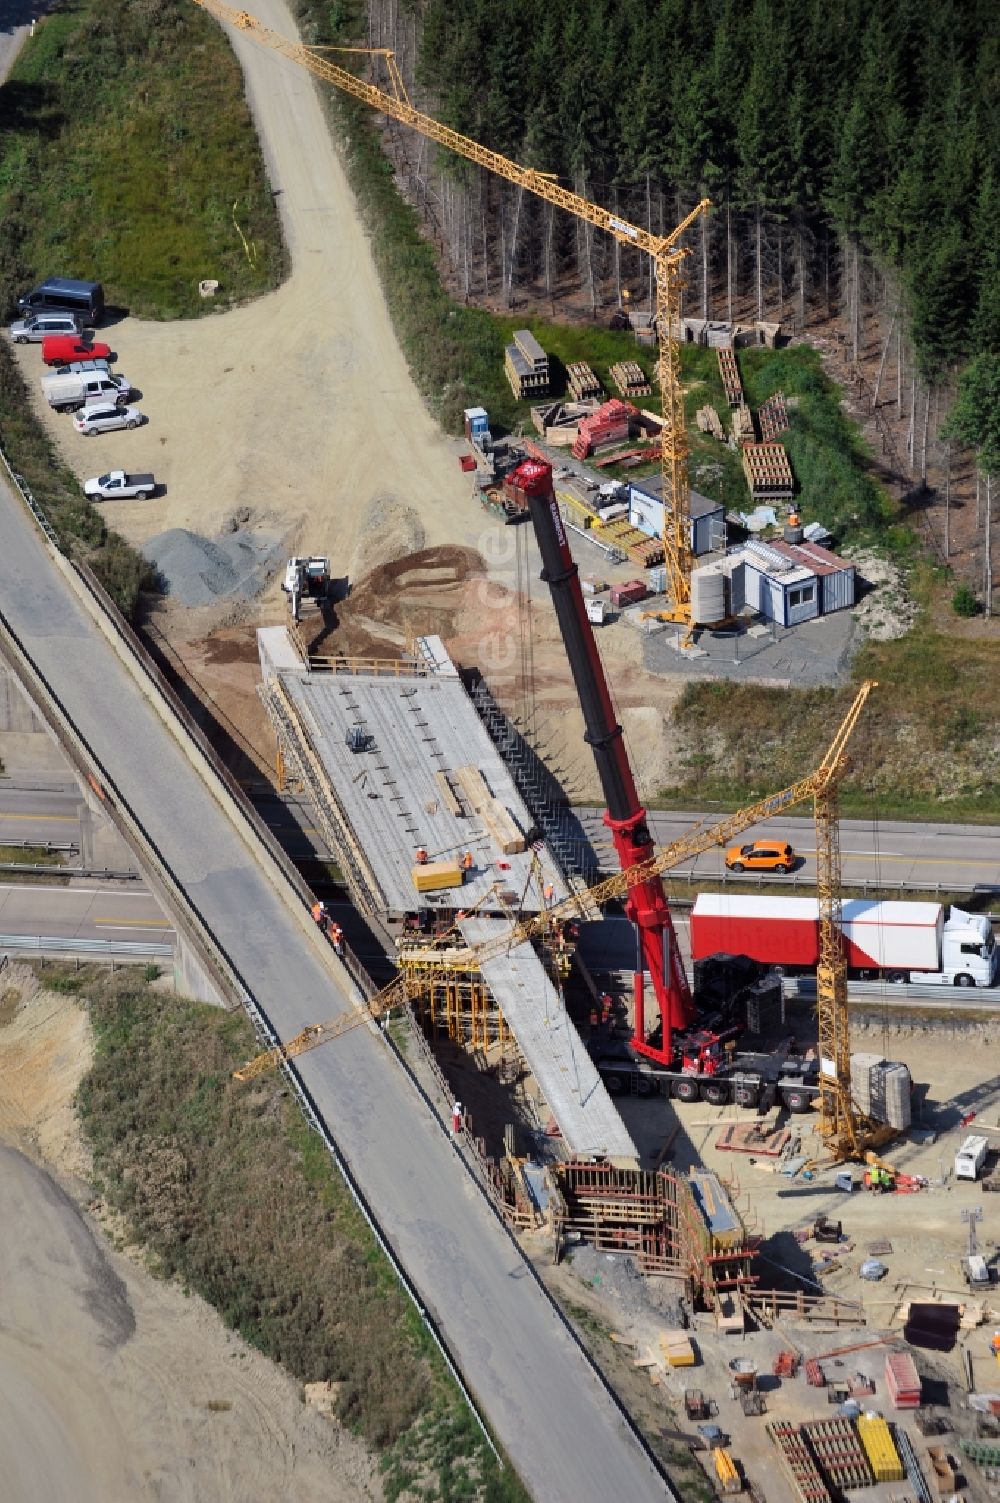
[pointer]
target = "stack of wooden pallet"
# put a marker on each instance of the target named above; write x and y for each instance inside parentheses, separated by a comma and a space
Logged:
(799, 1463)
(630, 379)
(769, 475)
(730, 373)
(526, 365)
(772, 416)
(503, 828)
(839, 1452)
(582, 381)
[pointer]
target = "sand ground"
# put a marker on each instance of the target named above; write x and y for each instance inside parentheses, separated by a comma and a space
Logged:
(295, 416)
(113, 1384)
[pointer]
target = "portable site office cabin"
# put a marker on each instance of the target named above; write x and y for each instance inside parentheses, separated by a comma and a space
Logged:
(793, 582)
(708, 524)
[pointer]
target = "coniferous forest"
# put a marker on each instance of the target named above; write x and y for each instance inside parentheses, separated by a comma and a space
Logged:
(851, 151)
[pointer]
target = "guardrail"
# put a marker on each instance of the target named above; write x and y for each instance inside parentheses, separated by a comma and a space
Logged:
(902, 995)
(59, 944)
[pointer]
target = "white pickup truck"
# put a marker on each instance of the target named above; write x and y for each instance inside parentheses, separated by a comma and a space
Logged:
(116, 484)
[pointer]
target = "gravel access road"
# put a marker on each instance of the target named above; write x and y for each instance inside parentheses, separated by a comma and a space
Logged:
(547, 1406)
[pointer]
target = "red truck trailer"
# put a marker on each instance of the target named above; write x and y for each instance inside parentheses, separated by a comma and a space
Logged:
(891, 938)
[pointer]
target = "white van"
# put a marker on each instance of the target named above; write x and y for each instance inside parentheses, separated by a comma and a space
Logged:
(971, 1157)
(70, 391)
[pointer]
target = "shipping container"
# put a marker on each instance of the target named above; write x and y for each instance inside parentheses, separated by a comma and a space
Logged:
(629, 593)
(785, 931)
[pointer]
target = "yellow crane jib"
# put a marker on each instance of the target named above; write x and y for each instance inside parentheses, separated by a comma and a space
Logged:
(668, 257)
(409, 986)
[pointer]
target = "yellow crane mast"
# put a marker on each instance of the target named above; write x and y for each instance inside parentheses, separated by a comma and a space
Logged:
(668, 257)
(831, 996)
(840, 1125)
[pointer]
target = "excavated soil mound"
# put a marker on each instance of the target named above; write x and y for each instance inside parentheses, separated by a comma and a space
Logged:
(405, 597)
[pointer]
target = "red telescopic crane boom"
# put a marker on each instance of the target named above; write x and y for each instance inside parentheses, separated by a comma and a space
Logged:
(646, 902)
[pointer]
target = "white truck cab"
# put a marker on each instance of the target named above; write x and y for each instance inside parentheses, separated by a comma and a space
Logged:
(969, 952)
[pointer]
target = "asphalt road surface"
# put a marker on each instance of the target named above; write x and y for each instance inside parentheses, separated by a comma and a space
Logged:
(885, 853)
(40, 812)
(548, 1408)
(83, 913)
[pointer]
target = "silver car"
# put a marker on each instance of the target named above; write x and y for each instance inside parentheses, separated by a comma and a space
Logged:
(102, 417)
(38, 326)
(81, 367)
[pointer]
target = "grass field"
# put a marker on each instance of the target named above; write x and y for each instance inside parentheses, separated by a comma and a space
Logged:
(228, 1191)
(129, 157)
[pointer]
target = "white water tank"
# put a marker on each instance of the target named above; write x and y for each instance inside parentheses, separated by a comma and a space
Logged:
(708, 595)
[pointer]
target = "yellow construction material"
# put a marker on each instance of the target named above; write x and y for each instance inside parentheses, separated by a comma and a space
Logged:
(727, 1471)
(431, 876)
(677, 1349)
(876, 1437)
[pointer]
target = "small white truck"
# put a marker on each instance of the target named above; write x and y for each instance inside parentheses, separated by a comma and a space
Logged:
(971, 1157)
(118, 485)
(70, 391)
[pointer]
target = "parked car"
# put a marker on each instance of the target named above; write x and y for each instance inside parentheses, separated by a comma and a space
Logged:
(761, 856)
(61, 294)
(61, 349)
(38, 326)
(117, 485)
(80, 368)
(102, 417)
(77, 389)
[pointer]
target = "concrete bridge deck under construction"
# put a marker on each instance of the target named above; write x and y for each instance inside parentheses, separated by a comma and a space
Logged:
(544, 1400)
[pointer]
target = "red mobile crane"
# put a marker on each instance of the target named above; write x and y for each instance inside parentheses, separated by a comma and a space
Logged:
(646, 902)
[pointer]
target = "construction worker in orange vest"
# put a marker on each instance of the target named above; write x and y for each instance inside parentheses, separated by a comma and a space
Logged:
(319, 913)
(421, 855)
(337, 938)
(548, 893)
(467, 865)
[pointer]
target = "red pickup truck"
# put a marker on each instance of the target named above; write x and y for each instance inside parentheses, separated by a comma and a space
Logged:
(60, 349)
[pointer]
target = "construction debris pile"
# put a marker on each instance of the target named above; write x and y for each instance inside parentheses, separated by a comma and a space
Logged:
(199, 571)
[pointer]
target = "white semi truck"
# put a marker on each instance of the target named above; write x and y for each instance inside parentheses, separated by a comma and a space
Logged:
(900, 941)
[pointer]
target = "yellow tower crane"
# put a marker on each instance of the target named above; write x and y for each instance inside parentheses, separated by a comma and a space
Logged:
(668, 257)
(831, 983)
(843, 1130)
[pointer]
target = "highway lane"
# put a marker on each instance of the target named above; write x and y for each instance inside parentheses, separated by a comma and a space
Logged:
(39, 813)
(548, 1408)
(885, 853)
(82, 913)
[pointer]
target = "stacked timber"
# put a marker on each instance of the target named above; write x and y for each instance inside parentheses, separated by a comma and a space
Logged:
(743, 429)
(559, 422)
(526, 365)
(434, 876)
(582, 381)
(500, 823)
(605, 428)
(630, 379)
(708, 421)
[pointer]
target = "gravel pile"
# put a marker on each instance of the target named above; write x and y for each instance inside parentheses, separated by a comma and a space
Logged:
(198, 571)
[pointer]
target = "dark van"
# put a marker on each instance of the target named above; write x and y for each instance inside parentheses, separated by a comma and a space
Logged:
(63, 295)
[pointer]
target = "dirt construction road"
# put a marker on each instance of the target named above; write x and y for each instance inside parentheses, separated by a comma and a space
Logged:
(299, 406)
